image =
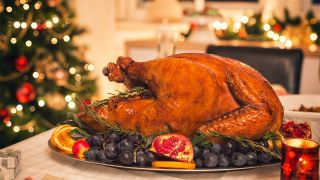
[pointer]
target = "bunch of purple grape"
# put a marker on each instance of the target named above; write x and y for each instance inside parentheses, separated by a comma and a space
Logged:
(230, 153)
(122, 149)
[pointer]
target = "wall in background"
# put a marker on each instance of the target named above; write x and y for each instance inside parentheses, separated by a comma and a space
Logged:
(99, 18)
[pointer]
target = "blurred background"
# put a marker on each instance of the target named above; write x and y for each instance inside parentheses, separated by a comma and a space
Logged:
(53, 49)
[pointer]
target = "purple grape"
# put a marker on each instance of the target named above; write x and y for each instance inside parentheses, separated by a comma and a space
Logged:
(150, 157)
(111, 150)
(91, 155)
(252, 158)
(142, 160)
(205, 152)
(126, 158)
(126, 145)
(101, 156)
(210, 160)
(113, 137)
(224, 160)
(215, 148)
(228, 147)
(199, 162)
(96, 140)
(135, 138)
(238, 159)
(196, 151)
(264, 158)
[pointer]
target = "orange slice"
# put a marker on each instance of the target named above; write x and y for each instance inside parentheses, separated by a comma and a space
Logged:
(54, 134)
(173, 165)
(61, 139)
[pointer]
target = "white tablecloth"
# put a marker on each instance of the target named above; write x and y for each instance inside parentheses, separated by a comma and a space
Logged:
(38, 161)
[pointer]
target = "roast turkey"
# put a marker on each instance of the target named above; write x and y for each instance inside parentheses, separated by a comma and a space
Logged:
(190, 93)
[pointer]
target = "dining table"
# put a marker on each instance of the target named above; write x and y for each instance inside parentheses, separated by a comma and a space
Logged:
(40, 162)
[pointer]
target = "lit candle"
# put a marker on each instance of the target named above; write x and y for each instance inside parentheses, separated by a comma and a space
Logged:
(300, 159)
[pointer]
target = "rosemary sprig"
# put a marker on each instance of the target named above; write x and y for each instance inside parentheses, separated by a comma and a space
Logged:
(122, 95)
(111, 126)
(253, 145)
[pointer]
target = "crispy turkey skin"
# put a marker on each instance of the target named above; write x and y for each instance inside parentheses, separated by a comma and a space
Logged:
(192, 92)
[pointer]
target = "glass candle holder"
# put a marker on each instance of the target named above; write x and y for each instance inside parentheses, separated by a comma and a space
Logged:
(300, 159)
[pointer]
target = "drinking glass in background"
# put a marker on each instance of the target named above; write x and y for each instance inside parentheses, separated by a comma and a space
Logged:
(300, 159)
(165, 40)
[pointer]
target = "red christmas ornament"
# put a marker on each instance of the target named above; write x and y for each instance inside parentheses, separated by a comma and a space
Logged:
(3, 113)
(25, 93)
(277, 28)
(21, 63)
(40, 27)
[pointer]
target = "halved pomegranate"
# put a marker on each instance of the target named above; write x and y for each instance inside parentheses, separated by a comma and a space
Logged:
(174, 146)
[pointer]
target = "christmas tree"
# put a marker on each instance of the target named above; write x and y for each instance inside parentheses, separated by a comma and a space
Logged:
(40, 67)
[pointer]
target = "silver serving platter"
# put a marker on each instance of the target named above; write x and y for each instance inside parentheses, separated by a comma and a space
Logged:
(197, 170)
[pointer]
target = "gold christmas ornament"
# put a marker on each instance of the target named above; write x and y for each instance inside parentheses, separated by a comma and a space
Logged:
(55, 101)
(54, 71)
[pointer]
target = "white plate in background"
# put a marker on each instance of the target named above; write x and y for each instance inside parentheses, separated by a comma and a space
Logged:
(290, 102)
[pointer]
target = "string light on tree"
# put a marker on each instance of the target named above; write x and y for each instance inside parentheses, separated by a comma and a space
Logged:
(54, 40)
(25, 6)
(9, 9)
(13, 40)
(49, 24)
(68, 98)
(72, 70)
(71, 105)
(37, 5)
(19, 107)
(13, 110)
(66, 38)
(16, 24)
(8, 124)
(34, 25)
(28, 43)
(35, 75)
(16, 129)
(78, 77)
(23, 25)
(41, 103)
(55, 19)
